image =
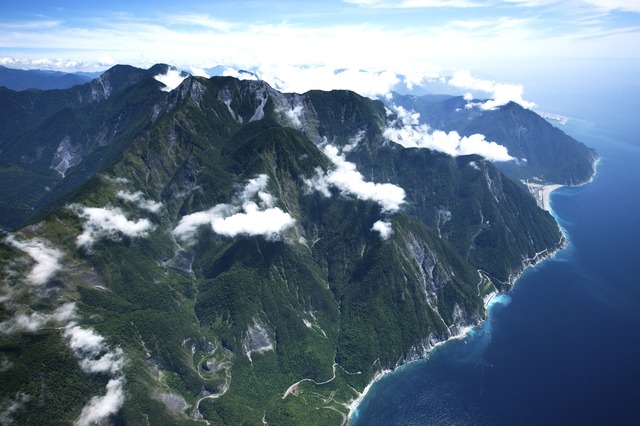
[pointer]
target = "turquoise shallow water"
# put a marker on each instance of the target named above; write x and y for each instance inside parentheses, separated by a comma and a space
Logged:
(564, 346)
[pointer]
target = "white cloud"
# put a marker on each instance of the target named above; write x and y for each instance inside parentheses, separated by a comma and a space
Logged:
(407, 132)
(268, 223)
(118, 180)
(384, 228)
(93, 354)
(30, 323)
(354, 142)
(83, 341)
(474, 165)
(107, 222)
(46, 258)
(198, 41)
(111, 362)
(190, 223)
(139, 200)
(295, 115)
(252, 213)
(106, 60)
(101, 407)
(502, 93)
(199, 72)
(300, 79)
(171, 79)
(257, 186)
(349, 181)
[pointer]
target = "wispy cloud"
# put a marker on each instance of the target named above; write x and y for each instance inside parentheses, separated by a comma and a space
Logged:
(10, 406)
(107, 222)
(602, 5)
(407, 131)
(139, 200)
(191, 20)
(349, 181)
(46, 258)
(22, 322)
(101, 407)
(416, 3)
(364, 42)
(252, 213)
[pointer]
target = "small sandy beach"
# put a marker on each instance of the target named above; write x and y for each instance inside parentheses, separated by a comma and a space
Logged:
(542, 193)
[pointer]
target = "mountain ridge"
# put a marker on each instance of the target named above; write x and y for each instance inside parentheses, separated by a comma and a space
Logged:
(211, 309)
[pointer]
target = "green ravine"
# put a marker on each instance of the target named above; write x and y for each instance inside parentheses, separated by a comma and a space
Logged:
(222, 259)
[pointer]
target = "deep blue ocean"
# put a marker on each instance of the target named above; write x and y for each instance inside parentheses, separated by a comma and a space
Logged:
(564, 346)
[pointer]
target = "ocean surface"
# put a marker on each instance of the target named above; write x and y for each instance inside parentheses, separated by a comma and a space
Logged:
(564, 346)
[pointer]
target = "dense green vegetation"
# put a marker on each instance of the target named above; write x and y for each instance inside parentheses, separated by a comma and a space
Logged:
(543, 150)
(252, 328)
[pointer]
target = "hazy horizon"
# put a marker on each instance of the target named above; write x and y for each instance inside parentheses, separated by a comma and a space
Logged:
(560, 55)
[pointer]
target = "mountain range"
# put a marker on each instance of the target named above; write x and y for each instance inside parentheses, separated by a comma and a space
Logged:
(19, 79)
(220, 251)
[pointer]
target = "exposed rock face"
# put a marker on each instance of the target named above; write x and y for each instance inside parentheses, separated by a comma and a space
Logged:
(433, 276)
(259, 338)
(66, 156)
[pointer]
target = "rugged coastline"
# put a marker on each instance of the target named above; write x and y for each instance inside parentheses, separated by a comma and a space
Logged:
(542, 194)
(421, 352)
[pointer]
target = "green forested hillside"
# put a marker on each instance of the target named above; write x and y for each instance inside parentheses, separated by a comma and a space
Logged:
(244, 256)
(543, 150)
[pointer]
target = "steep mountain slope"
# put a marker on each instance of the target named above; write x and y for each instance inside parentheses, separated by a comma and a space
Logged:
(543, 151)
(248, 256)
(53, 141)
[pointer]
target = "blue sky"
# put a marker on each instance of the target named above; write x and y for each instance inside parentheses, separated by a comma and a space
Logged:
(511, 41)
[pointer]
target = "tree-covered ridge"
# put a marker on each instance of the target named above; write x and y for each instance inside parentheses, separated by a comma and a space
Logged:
(160, 254)
(541, 150)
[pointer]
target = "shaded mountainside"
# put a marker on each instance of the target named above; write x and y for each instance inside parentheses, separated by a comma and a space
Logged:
(53, 141)
(239, 255)
(18, 79)
(543, 150)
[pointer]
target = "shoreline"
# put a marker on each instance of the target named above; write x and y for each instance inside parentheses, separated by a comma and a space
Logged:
(353, 405)
(526, 264)
(545, 193)
(542, 193)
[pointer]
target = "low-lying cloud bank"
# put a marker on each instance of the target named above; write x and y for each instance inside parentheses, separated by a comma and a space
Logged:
(252, 214)
(46, 258)
(502, 93)
(349, 181)
(407, 131)
(107, 222)
(377, 83)
(297, 79)
(171, 79)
